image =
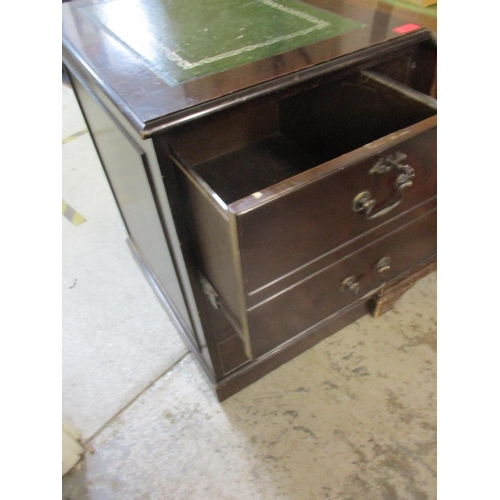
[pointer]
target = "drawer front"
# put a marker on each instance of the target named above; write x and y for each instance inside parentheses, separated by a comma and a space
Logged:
(280, 236)
(316, 298)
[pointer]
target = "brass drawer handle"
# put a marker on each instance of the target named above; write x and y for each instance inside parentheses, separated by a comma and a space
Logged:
(383, 265)
(352, 285)
(364, 203)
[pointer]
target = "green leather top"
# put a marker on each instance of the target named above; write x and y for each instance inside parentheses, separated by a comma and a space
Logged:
(179, 40)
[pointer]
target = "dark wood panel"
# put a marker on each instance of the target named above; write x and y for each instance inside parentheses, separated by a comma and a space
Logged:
(252, 372)
(290, 231)
(416, 68)
(298, 308)
(216, 135)
(216, 329)
(214, 245)
(276, 140)
(252, 168)
(232, 353)
(341, 116)
(275, 287)
(151, 103)
(126, 166)
(262, 128)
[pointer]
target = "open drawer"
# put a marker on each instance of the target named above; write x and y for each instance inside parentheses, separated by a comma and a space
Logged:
(277, 185)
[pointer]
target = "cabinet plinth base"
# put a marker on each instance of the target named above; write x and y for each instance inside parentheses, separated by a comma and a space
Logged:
(254, 370)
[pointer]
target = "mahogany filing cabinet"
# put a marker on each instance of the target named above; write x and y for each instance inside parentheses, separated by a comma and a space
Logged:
(274, 163)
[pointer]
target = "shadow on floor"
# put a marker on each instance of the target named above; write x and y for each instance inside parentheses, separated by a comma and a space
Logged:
(73, 483)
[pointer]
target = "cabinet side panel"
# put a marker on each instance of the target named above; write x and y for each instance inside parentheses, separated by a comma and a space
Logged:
(125, 165)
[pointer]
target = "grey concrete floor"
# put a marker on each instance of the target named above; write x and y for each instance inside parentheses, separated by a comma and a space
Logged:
(117, 338)
(352, 418)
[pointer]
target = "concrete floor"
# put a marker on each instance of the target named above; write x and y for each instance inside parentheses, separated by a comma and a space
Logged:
(352, 418)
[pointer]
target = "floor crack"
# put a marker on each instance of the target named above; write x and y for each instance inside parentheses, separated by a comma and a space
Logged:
(133, 400)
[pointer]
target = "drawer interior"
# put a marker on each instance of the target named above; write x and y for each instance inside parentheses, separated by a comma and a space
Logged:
(257, 146)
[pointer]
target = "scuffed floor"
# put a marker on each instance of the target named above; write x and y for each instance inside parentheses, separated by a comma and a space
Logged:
(353, 418)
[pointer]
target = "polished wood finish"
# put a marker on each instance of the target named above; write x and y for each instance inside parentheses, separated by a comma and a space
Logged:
(252, 372)
(247, 245)
(237, 185)
(151, 105)
(318, 297)
(271, 190)
(425, 18)
(316, 217)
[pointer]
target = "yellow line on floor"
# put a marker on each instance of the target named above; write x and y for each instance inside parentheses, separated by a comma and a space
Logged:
(72, 215)
(74, 136)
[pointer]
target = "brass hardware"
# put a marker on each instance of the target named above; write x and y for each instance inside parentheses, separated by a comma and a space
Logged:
(350, 284)
(405, 179)
(364, 203)
(386, 164)
(384, 264)
(208, 290)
